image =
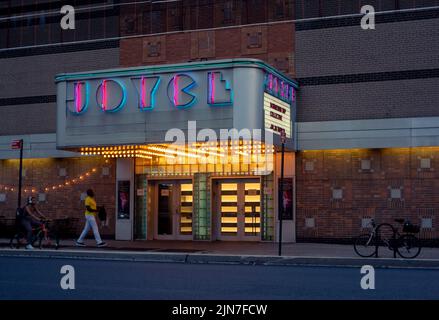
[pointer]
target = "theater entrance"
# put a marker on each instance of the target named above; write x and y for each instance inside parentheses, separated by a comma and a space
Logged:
(237, 209)
(173, 209)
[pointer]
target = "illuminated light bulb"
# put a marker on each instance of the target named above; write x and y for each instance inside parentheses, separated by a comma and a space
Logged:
(60, 185)
(74, 180)
(94, 169)
(12, 189)
(81, 177)
(46, 189)
(53, 188)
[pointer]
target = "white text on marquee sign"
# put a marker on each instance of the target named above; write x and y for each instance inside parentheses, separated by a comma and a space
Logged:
(277, 114)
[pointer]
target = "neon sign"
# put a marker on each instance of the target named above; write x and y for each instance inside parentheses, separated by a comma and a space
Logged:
(146, 89)
(179, 91)
(279, 88)
(216, 83)
(81, 97)
(111, 94)
(107, 102)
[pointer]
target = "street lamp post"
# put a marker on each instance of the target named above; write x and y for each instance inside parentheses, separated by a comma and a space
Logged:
(18, 144)
(281, 191)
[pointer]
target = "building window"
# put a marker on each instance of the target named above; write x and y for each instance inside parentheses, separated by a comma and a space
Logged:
(175, 19)
(256, 11)
(129, 25)
(228, 12)
(279, 9)
(156, 21)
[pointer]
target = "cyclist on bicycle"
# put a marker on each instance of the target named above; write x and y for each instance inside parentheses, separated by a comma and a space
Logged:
(31, 217)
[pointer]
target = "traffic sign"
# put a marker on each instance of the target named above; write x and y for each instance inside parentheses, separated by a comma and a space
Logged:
(16, 144)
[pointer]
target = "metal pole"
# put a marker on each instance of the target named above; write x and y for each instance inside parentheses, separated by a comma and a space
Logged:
(20, 174)
(281, 202)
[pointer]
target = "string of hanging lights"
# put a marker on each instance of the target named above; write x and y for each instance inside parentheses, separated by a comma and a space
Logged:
(53, 187)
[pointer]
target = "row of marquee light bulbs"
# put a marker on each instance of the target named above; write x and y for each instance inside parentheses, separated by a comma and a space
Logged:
(198, 150)
(33, 190)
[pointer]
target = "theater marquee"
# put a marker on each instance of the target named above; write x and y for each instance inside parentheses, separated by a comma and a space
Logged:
(140, 105)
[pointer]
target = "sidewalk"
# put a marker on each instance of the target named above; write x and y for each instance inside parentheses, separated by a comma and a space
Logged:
(227, 252)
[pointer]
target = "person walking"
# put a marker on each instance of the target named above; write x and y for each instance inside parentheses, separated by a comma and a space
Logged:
(90, 221)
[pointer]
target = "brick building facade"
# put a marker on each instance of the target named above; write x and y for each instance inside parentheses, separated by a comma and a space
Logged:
(368, 122)
(339, 190)
(366, 116)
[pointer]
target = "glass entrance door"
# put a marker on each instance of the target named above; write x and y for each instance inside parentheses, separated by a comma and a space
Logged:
(239, 209)
(174, 210)
(165, 203)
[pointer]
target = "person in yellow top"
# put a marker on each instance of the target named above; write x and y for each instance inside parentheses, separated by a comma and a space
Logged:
(90, 221)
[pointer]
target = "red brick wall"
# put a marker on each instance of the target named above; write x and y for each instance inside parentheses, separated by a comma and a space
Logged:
(273, 44)
(65, 201)
(366, 193)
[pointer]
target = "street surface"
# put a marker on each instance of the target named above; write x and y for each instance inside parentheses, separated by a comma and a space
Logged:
(39, 278)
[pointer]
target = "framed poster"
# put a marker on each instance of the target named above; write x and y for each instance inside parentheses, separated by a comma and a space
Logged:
(286, 199)
(123, 199)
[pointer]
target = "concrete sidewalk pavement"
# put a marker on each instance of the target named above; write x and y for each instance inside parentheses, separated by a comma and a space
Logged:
(227, 253)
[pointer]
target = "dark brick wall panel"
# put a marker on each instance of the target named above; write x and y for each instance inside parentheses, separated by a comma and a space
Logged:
(366, 193)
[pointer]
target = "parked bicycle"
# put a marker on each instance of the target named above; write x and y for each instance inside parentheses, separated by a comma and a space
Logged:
(405, 244)
(41, 236)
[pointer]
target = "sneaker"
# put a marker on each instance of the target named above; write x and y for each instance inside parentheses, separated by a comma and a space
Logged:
(102, 244)
(29, 247)
(80, 244)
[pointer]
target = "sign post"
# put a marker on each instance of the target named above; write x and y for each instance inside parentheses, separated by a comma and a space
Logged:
(281, 191)
(18, 144)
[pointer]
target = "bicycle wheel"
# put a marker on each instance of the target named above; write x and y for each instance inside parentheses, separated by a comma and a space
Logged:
(365, 245)
(38, 240)
(14, 243)
(385, 235)
(409, 246)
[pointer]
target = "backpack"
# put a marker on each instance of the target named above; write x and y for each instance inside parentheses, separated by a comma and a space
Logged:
(21, 212)
(102, 214)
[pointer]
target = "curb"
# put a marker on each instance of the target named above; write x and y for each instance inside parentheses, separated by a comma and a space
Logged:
(197, 258)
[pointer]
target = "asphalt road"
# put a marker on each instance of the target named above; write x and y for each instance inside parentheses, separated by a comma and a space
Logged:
(39, 278)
